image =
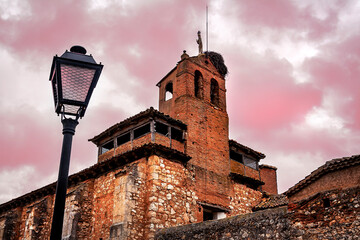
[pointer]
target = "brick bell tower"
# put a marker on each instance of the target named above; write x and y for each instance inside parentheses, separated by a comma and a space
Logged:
(194, 93)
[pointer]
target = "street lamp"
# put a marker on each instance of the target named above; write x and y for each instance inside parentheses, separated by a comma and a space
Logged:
(73, 78)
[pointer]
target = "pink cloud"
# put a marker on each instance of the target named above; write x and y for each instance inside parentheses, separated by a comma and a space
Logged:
(266, 96)
(27, 139)
(263, 99)
(337, 69)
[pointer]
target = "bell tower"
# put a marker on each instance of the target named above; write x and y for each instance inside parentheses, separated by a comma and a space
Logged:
(194, 93)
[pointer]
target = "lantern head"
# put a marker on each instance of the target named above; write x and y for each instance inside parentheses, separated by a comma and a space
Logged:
(73, 77)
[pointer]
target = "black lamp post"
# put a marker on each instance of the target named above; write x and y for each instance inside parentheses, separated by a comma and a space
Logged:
(73, 78)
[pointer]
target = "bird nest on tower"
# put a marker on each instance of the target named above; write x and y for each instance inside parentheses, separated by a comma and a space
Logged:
(218, 61)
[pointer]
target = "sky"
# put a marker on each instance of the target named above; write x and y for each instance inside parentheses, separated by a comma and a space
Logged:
(293, 86)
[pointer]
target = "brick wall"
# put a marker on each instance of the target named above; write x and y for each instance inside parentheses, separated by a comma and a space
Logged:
(207, 135)
(159, 139)
(268, 176)
(344, 178)
(331, 214)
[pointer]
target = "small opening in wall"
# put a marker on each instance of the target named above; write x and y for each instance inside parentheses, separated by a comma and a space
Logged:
(236, 156)
(168, 91)
(198, 84)
(122, 139)
(207, 215)
(176, 134)
(162, 128)
(141, 131)
(107, 147)
(214, 92)
(210, 213)
(326, 202)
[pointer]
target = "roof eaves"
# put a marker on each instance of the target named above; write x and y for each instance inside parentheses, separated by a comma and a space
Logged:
(329, 166)
(250, 150)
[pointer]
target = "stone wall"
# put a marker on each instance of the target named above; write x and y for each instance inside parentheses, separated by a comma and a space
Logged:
(171, 199)
(243, 199)
(9, 223)
(260, 225)
(328, 215)
(130, 201)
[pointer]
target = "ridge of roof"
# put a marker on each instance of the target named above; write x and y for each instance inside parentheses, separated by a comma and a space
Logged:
(329, 166)
(151, 112)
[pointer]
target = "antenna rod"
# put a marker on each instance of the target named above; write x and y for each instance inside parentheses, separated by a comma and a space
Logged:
(207, 32)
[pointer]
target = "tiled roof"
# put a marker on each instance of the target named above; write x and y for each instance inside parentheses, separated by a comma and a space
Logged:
(233, 143)
(329, 166)
(148, 113)
(272, 202)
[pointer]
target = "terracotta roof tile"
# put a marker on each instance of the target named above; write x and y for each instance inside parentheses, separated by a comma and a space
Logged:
(272, 202)
(329, 166)
(246, 149)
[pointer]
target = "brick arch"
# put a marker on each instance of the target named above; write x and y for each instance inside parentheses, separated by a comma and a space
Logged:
(198, 85)
(214, 92)
(168, 91)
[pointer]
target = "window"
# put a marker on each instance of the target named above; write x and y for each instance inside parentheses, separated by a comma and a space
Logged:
(161, 128)
(123, 138)
(141, 131)
(107, 147)
(168, 91)
(236, 156)
(214, 92)
(250, 162)
(176, 134)
(198, 85)
(210, 213)
(247, 161)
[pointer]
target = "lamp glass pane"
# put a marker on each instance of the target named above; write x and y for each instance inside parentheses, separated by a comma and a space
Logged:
(55, 89)
(71, 109)
(76, 82)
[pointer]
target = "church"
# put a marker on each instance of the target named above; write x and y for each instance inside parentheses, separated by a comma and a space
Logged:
(173, 173)
(157, 169)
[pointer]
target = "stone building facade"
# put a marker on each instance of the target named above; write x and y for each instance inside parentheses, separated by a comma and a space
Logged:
(157, 169)
(324, 205)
